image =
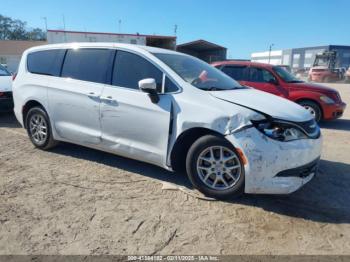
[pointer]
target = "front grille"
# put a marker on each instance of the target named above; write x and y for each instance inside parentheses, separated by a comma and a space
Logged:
(302, 171)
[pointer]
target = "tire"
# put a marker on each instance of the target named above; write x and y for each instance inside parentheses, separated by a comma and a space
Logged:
(232, 171)
(313, 108)
(327, 79)
(38, 123)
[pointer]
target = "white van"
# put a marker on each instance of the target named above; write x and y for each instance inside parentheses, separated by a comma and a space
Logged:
(168, 109)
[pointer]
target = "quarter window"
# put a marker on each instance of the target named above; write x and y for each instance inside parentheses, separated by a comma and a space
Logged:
(169, 86)
(87, 64)
(129, 69)
(46, 62)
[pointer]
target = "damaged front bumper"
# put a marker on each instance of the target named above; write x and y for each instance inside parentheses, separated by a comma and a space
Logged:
(275, 167)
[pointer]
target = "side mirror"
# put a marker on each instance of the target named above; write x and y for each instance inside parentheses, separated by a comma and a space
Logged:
(149, 85)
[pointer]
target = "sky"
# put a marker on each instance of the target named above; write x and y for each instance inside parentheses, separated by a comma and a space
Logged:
(243, 26)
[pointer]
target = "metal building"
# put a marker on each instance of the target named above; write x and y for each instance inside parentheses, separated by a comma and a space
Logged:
(207, 51)
(302, 58)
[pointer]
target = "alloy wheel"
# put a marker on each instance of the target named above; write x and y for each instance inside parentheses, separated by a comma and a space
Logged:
(38, 128)
(219, 167)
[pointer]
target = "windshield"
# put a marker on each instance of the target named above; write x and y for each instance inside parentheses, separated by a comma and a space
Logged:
(198, 73)
(285, 75)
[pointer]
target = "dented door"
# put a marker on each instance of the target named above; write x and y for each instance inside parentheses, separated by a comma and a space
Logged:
(134, 126)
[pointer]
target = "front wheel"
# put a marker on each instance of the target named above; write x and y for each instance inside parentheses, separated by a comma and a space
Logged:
(313, 109)
(39, 128)
(214, 168)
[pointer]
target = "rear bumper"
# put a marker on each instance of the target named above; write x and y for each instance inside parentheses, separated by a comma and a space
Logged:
(333, 111)
(6, 102)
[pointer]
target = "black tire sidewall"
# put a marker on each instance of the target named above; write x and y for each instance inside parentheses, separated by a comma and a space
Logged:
(191, 168)
(39, 110)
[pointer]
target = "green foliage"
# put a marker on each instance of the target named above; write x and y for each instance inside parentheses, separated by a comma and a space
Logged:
(14, 29)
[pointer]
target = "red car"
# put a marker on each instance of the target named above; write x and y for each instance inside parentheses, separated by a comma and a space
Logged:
(323, 102)
(323, 74)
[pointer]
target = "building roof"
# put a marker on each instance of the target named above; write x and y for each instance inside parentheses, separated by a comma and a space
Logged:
(140, 48)
(17, 47)
(114, 34)
(200, 45)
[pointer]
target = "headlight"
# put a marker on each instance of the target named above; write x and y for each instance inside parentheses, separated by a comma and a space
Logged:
(327, 99)
(280, 131)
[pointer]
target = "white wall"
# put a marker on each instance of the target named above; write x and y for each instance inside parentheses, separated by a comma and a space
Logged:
(61, 37)
(263, 57)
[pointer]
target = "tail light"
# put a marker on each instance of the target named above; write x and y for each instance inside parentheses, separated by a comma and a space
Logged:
(1, 94)
(14, 76)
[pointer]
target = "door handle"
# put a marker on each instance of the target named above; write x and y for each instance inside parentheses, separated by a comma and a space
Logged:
(108, 99)
(92, 94)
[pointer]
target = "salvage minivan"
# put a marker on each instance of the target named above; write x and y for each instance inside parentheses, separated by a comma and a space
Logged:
(168, 109)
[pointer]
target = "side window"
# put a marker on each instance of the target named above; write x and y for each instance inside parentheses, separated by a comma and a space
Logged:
(47, 62)
(87, 64)
(260, 75)
(169, 86)
(238, 73)
(129, 69)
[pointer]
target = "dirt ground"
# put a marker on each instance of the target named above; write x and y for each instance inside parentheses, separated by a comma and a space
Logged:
(75, 200)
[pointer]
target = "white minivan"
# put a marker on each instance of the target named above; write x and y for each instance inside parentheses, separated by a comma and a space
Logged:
(168, 109)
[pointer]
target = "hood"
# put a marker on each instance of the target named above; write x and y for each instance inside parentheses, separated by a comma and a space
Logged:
(312, 87)
(5, 83)
(266, 103)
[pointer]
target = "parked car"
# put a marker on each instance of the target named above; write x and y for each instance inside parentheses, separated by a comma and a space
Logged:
(323, 74)
(322, 102)
(347, 75)
(168, 109)
(6, 102)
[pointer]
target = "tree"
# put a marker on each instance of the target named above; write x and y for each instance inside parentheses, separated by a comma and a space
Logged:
(16, 30)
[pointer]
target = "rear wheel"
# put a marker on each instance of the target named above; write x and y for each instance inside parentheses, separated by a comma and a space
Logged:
(39, 128)
(215, 168)
(313, 108)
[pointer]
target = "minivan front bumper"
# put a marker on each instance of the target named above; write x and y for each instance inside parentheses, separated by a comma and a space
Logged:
(275, 167)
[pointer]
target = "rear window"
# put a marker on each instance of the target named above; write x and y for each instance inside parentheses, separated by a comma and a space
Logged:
(46, 62)
(238, 73)
(87, 64)
(3, 71)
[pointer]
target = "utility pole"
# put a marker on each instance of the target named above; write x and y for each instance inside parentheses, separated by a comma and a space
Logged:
(64, 22)
(175, 30)
(45, 20)
(270, 51)
(119, 25)
(64, 28)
